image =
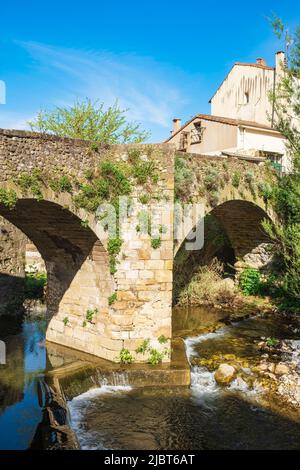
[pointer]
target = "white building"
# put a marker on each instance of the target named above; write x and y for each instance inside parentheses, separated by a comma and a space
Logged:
(241, 120)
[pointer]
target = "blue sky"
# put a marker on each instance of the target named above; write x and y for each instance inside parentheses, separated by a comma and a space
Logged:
(161, 59)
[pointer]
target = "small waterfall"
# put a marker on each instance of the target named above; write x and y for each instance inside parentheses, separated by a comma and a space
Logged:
(202, 381)
(115, 379)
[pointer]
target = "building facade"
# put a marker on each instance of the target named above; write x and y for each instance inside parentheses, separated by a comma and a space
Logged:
(241, 119)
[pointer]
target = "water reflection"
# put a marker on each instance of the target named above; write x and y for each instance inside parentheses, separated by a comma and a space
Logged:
(187, 320)
(20, 410)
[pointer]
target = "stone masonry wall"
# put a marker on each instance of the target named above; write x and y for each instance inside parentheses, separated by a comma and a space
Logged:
(12, 252)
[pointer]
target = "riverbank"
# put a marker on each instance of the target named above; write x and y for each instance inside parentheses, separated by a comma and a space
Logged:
(269, 363)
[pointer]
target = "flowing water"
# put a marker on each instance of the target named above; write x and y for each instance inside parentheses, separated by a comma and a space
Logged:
(206, 416)
(113, 415)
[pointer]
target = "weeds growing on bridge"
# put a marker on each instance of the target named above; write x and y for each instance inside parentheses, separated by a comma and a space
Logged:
(112, 298)
(8, 198)
(31, 183)
(61, 185)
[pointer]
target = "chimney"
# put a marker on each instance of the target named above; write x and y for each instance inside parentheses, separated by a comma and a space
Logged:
(280, 63)
(261, 61)
(176, 125)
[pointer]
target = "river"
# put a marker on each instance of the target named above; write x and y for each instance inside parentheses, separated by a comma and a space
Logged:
(204, 416)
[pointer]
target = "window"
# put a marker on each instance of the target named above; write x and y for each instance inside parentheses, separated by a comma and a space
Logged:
(197, 133)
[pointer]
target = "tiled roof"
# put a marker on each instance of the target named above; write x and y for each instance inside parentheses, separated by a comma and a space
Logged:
(259, 66)
(223, 120)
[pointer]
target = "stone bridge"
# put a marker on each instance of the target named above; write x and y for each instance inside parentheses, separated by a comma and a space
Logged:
(107, 293)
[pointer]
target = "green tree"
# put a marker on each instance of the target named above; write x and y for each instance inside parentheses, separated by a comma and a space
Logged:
(286, 191)
(91, 121)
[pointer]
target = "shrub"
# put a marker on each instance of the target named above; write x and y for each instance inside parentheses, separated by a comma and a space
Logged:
(90, 121)
(265, 191)
(212, 180)
(125, 356)
(90, 313)
(61, 185)
(206, 287)
(236, 179)
(156, 243)
(250, 281)
(31, 183)
(272, 342)
(113, 248)
(184, 177)
(155, 357)
(144, 347)
(35, 286)
(144, 198)
(143, 171)
(162, 339)
(8, 198)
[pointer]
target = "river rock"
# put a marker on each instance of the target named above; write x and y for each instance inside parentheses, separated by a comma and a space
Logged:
(271, 367)
(260, 368)
(239, 265)
(225, 374)
(227, 284)
(281, 369)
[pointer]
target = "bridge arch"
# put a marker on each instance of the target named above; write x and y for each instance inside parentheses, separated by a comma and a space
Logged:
(77, 265)
(233, 233)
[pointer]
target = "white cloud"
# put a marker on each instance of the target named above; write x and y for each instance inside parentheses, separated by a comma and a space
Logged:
(140, 84)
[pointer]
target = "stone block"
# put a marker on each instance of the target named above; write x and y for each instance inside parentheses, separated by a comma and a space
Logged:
(163, 276)
(154, 264)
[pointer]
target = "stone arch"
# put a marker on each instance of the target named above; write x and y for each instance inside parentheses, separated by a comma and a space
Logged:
(77, 266)
(239, 223)
(242, 221)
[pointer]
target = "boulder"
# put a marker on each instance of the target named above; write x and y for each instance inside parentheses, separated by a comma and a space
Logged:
(225, 374)
(240, 265)
(227, 284)
(282, 369)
